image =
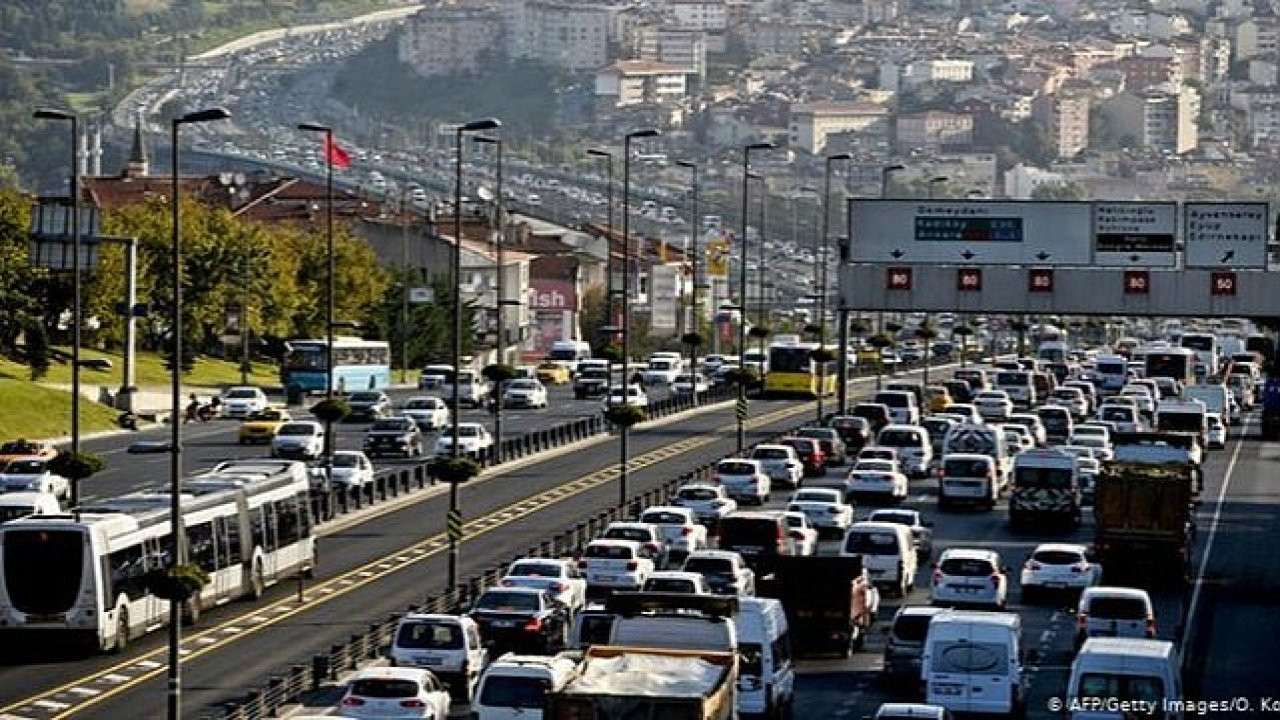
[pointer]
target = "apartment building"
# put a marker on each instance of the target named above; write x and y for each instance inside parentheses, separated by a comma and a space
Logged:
(1158, 118)
(934, 129)
(812, 123)
(628, 83)
(679, 47)
(573, 37)
(449, 40)
(1064, 116)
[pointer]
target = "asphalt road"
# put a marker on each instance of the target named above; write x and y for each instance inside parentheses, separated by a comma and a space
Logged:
(206, 444)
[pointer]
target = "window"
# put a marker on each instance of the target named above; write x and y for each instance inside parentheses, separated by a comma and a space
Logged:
(508, 601)
(291, 522)
(967, 567)
(509, 691)
(201, 549)
(128, 567)
(42, 569)
(872, 543)
(429, 636)
(750, 661)
(384, 688)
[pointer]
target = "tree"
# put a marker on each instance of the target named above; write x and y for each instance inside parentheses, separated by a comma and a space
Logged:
(1059, 191)
(188, 353)
(591, 317)
(37, 349)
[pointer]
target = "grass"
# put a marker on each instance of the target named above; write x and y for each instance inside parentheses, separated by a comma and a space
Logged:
(213, 37)
(150, 372)
(28, 410)
(85, 103)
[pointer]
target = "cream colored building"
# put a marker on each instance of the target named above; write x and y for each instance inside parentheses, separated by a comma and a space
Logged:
(1064, 116)
(570, 36)
(811, 123)
(685, 49)
(1158, 118)
(447, 40)
(934, 129)
(640, 82)
(707, 15)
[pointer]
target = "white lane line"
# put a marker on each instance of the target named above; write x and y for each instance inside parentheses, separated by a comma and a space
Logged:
(84, 691)
(1208, 545)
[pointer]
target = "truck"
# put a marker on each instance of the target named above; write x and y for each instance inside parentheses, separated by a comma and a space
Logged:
(829, 601)
(1144, 517)
(638, 682)
(1161, 447)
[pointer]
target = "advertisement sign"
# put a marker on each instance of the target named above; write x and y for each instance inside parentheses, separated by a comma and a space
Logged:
(552, 295)
(548, 327)
(1226, 235)
(717, 256)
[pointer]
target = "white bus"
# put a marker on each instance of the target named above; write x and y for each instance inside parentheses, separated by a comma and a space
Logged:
(1113, 372)
(82, 577)
(1205, 346)
(1177, 363)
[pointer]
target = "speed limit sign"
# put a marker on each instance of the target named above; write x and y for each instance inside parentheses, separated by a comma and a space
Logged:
(969, 280)
(1222, 283)
(1137, 282)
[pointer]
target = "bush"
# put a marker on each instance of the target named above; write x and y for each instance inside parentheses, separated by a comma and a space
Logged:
(823, 355)
(179, 582)
(625, 415)
(498, 373)
(455, 469)
(742, 376)
(331, 410)
(880, 341)
(691, 338)
(608, 351)
(759, 332)
(926, 332)
(76, 466)
(962, 330)
(893, 328)
(859, 327)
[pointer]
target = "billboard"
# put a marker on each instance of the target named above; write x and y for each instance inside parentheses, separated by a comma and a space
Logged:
(1226, 235)
(544, 294)
(717, 255)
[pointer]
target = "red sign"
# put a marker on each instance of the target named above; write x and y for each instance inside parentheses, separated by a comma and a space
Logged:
(1137, 282)
(1040, 280)
(1222, 283)
(898, 278)
(969, 280)
(547, 294)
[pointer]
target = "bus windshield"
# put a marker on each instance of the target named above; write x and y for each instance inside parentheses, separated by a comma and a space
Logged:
(789, 359)
(42, 569)
(305, 357)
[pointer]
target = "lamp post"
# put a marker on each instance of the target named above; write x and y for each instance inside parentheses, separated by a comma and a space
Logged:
(885, 173)
(608, 255)
(404, 287)
(763, 208)
(935, 182)
(624, 431)
(455, 402)
(330, 282)
(74, 120)
(174, 698)
(741, 410)
(824, 260)
(499, 224)
(693, 254)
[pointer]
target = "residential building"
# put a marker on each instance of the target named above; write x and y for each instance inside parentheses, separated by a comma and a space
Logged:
(934, 129)
(709, 15)
(812, 123)
(573, 37)
(1158, 118)
(1257, 36)
(937, 71)
(449, 40)
(766, 37)
(640, 82)
(679, 47)
(1064, 116)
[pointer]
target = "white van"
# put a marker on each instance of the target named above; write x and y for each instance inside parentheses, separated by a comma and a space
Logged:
(1020, 385)
(1216, 399)
(515, 687)
(972, 662)
(903, 408)
(968, 478)
(980, 439)
(888, 553)
(766, 672)
(1133, 668)
(915, 450)
(16, 505)
(447, 645)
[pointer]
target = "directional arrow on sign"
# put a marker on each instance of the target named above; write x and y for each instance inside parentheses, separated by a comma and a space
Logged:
(1042, 256)
(1135, 257)
(968, 254)
(897, 254)
(1228, 256)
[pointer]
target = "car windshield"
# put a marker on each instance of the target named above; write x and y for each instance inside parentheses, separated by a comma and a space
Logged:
(421, 404)
(1118, 608)
(899, 437)
(817, 433)
(698, 494)
(608, 552)
(25, 467)
(967, 567)
(708, 565)
(1122, 687)
(911, 628)
(384, 688)
(817, 496)
(675, 585)
(389, 424)
(514, 691)
(628, 533)
(736, 468)
(663, 518)
(463, 431)
(1116, 413)
(1058, 557)
(429, 635)
(897, 518)
(874, 465)
(18, 448)
(769, 454)
(508, 601)
(1043, 478)
(523, 385)
(871, 543)
(346, 460)
(295, 429)
(966, 467)
(267, 415)
(242, 394)
(366, 397)
(796, 520)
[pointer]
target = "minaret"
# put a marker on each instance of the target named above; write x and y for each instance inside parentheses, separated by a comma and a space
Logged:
(138, 165)
(95, 150)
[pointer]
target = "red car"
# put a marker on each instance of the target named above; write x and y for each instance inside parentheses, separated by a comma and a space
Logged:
(811, 454)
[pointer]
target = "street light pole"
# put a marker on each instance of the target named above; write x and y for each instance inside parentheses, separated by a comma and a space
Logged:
(624, 431)
(404, 286)
(934, 182)
(74, 120)
(608, 247)
(174, 679)
(499, 225)
(741, 410)
(693, 254)
(455, 404)
(824, 260)
(885, 173)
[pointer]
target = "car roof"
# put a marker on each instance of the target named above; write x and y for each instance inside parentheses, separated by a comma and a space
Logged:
(711, 553)
(1061, 547)
(968, 554)
(391, 673)
(909, 710)
(1116, 592)
(667, 509)
(676, 575)
(1128, 647)
(615, 542)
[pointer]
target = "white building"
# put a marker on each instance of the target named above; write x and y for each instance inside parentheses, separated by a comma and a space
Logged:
(640, 82)
(1020, 181)
(708, 15)
(1158, 118)
(811, 123)
(569, 36)
(936, 71)
(449, 40)
(1064, 115)
(679, 47)
(934, 129)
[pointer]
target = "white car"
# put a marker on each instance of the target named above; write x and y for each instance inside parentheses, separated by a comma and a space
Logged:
(298, 440)
(1057, 567)
(709, 503)
(876, 478)
(619, 564)
(1141, 397)
(724, 570)
(429, 413)
(31, 474)
(394, 692)
(524, 393)
(241, 401)
(677, 581)
(1100, 446)
(1125, 417)
(993, 405)
(351, 469)
(743, 480)
(802, 537)
(661, 371)
(680, 528)
(653, 543)
(1033, 424)
(780, 463)
(686, 383)
(1090, 428)
(879, 452)
(558, 577)
(965, 576)
(475, 439)
(1216, 437)
(921, 529)
(632, 394)
(1017, 437)
(825, 507)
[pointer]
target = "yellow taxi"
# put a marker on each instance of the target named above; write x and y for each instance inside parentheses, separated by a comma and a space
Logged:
(550, 373)
(261, 425)
(937, 397)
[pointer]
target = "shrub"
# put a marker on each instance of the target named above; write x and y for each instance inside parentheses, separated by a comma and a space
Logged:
(823, 355)
(455, 469)
(331, 409)
(759, 332)
(880, 341)
(498, 373)
(76, 466)
(179, 582)
(625, 415)
(691, 338)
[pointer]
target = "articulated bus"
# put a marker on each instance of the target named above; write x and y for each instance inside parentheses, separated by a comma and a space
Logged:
(357, 365)
(82, 578)
(792, 372)
(1174, 362)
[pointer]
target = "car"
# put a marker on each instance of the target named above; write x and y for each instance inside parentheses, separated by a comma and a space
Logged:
(1017, 438)
(993, 405)
(524, 394)
(521, 619)
(708, 502)
(911, 711)
(780, 463)
(261, 425)
(879, 452)
(662, 370)
(615, 564)
(877, 478)
(31, 474)
(677, 581)
(1058, 567)
(242, 401)
(810, 453)
(475, 440)
(965, 413)
(552, 373)
(557, 576)
(1216, 436)
(427, 412)
(680, 529)
(726, 572)
(351, 470)
(1100, 445)
(1071, 398)
(1088, 469)
(686, 383)
(801, 535)
(743, 480)
(854, 430)
(367, 405)
(826, 508)
(1126, 418)
(632, 394)
(394, 692)
(829, 438)
(653, 543)
(1110, 611)
(969, 576)
(938, 426)
(921, 529)
(26, 449)
(393, 436)
(1033, 424)
(298, 440)
(590, 382)
(434, 377)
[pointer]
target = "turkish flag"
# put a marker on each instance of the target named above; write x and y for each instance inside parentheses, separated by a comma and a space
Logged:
(334, 154)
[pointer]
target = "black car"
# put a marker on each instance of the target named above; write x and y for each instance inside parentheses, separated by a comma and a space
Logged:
(591, 382)
(367, 405)
(521, 620)
(393, 436)
(855, 431)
